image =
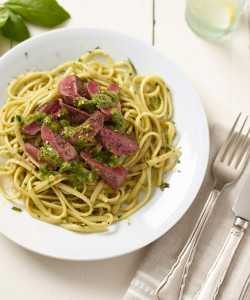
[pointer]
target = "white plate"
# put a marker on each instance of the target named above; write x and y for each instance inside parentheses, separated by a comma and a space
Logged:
(164, 208)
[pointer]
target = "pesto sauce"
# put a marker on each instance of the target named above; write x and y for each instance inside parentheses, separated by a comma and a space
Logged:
(81, 103)
(104, 100)
(37, 116)
(118, 119)
(63, 114)
(49, 154)
(77, 174)
(45, 171)
(113, 95)
(79, 145)
(107, 158)
(41, 118)
(64, 123)
(69, 131)
(55, 127)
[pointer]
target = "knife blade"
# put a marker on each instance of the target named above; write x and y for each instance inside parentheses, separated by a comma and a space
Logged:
(241, 206)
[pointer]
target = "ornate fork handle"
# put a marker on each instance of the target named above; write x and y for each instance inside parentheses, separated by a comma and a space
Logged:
(174, 283)
(215, 277)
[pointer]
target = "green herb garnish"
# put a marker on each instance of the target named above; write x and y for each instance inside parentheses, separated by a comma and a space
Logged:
(164, 185)
(18, 117)
(14, 13)
(16, 208)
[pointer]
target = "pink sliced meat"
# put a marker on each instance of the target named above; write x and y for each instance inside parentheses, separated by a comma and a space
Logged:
(31, 129)
(113, 87)
(91, 88)
(34, 152)
(96, 120)
(59, 143)
(117, 143)
(107, 113)
(75, 116)
(52, 107)
(114, 177)
(71, 88)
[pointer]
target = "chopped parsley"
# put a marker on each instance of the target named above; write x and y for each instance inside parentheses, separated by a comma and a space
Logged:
(164, 185)
(18, 117)
(16, 208)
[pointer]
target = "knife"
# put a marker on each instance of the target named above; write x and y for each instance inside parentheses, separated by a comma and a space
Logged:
(241, 209)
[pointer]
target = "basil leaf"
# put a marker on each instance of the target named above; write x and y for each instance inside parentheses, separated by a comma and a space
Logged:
(46, 13)
(15, 28)
(4, 14)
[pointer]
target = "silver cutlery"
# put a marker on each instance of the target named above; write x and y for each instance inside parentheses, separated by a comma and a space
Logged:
(245, 292)
(227, 167)
(241, 209)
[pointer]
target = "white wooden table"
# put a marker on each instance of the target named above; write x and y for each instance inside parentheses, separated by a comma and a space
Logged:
(220, 73)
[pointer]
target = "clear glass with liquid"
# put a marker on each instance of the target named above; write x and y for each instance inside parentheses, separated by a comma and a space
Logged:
(213, 19)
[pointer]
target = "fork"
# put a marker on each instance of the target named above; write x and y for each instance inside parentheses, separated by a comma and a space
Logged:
(227, 167)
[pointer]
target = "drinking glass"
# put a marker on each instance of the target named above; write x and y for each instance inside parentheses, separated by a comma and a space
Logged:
(213, 19)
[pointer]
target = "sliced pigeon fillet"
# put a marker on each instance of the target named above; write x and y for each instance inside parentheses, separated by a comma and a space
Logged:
(117, 143)
(70, 89)
(59, 143)
(114, 177)
(34, 152)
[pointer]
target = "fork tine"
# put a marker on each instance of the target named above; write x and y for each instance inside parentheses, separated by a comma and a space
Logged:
(223, 151)
(243, 153)
(236, 144)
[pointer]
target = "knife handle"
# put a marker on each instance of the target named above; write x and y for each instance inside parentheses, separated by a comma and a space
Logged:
(210, 287)
(174, 283)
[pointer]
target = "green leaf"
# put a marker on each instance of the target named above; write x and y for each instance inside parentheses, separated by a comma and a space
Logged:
(15, 28)
(4, 14)
(46, 13)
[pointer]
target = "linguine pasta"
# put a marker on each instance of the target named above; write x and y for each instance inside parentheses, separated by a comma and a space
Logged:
(147, 108)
